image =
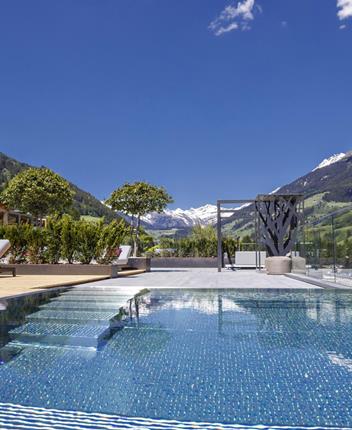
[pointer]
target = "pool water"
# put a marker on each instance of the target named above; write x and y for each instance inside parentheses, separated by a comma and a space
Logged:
(248, 357)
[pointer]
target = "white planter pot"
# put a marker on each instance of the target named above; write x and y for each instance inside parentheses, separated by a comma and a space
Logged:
(299, 265)
(278, 265)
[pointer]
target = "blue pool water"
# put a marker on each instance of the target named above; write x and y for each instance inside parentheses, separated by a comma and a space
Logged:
(236, 356)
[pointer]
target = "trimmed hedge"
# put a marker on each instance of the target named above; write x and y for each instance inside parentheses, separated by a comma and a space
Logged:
(65, 239)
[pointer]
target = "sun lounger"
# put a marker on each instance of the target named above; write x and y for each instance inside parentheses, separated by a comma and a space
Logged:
(4, 247)
(125, 253)
(247, 260)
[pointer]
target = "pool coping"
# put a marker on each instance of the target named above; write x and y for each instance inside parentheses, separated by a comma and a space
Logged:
(317, 282)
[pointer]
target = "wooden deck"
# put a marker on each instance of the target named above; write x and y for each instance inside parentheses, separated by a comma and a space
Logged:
(27, 284)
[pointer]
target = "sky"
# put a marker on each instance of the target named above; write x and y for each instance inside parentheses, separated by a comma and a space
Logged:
(209, 98)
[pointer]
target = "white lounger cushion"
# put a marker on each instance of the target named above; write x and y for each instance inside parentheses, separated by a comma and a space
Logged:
(4, 247)
(125, 254)
(248, 259)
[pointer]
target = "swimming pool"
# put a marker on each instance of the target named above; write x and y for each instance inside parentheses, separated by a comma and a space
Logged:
(249, 357)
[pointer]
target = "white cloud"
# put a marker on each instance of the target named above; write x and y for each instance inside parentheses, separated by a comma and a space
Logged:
(238, 16)
(234, 17)
(345, 9)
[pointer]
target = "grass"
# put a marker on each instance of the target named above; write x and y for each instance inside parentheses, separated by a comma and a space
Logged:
(93, 219)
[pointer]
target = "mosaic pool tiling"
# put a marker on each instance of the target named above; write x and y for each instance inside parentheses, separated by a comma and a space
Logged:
(273, 358)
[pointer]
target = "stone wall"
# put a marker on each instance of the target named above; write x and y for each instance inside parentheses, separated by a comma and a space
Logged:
(160, 262)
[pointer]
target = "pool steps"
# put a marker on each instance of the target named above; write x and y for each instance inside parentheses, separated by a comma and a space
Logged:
(20, 417)
(82, 316)
(81, 305)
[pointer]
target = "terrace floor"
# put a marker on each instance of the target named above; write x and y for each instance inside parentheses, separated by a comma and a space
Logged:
(206, 278)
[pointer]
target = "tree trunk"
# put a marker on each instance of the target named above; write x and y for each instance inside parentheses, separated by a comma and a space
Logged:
(132, 228)
(38, 222)
(136, 241)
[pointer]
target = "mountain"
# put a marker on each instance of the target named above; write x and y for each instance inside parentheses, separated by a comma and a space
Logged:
(179, 218)
(84, 203)
(326, 188)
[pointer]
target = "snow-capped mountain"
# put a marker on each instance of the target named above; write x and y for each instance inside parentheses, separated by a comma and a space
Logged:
(179, 218)
(331, 179)
(184, 219)
(331, 160)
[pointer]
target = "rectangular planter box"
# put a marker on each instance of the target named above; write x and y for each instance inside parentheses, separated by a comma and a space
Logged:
(67, 269)
(110, 270)
(140, 263)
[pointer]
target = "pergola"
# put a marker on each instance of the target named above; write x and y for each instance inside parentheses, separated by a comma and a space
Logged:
(276, 219)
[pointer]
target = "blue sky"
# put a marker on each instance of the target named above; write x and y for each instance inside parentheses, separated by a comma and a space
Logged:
(209, 98)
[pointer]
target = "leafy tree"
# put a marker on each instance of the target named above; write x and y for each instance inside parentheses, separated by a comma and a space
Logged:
(68, 238)
(136, 200)
(38, 191)
(88, 234)
(111, 237)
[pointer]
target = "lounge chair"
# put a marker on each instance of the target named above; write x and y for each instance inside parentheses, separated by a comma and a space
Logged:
(247, 260)
(125, 253)
(4, 247)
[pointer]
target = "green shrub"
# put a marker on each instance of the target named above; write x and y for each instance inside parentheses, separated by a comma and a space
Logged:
(18, 237)
(111, 237)
(36, 245)
(53, 234)
(2, 231)
(88, 235)
(68, 238)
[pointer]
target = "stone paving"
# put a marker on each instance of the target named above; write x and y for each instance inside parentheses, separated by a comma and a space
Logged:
(207, 278)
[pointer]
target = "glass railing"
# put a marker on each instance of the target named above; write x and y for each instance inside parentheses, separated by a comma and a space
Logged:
(326, 243)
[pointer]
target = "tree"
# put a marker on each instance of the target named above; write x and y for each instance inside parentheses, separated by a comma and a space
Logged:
(38, 191)
(138, 199)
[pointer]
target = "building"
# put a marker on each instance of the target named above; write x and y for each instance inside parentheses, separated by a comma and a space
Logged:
(12, 216)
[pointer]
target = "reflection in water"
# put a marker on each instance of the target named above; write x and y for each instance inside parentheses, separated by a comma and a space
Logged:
(340, 360)
(275, 317)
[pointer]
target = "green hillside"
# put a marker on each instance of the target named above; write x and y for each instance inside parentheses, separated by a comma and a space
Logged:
(84, 203)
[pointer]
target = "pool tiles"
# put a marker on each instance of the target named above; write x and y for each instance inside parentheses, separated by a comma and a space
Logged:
(192, 360)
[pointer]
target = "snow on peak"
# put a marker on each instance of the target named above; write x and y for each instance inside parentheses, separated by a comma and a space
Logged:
(331, 160)
(276, 190)
(180, 218)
